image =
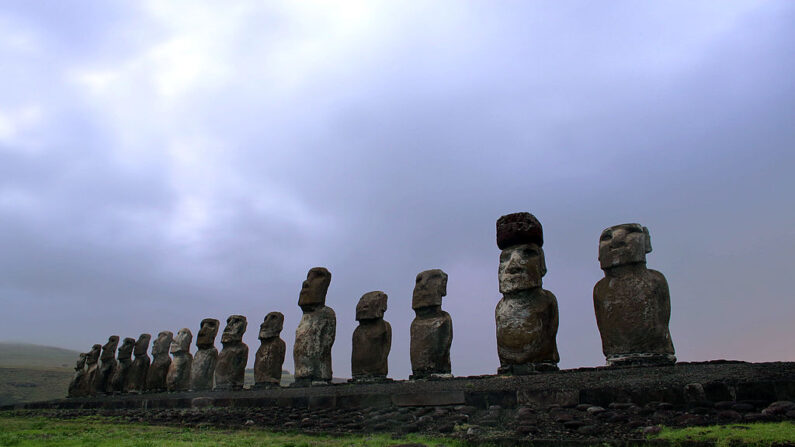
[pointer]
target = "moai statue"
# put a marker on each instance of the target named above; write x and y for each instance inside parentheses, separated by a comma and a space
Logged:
(178, 377)
(432, 328)
(527, 315)
(136, 378)
(107, 369)
(270, 355)
(231, 368)
(315, 334)
(203, 369)
(156, 376)
(632, 303)
(77, 379)
(92, 369)
(372, 339)
(124, 361)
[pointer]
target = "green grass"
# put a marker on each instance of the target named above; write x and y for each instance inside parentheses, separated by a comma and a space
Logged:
(760, 434)
(33, 384)
(105, 432)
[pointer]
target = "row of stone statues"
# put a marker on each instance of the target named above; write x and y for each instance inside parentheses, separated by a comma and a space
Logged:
(631, 303)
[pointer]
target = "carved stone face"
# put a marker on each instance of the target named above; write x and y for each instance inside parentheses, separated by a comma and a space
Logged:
(623, 244)
(314, 288)
(234, 330)
(142, 344)
(429, 288)
(81, 362)
(126, 348)
(521, 268)
(109, 349)
(93, 354)
(371, 306)
(181, 342)
(207, 333)
(272, 326)
(162, 343)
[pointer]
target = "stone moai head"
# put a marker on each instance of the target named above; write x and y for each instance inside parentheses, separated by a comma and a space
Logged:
(522, 264)
(162, 343)
(314, 288)
(181, 343)
(272, 325)
(109, 348)
(207, 332)
(429, 288)
(81, 361)
(142, 344)
(126, 348)
(624, 244)
(93, 354)
(371, 306)
(234, 330)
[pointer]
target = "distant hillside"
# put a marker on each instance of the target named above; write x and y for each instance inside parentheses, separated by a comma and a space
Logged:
(31, 372)
(21, 355)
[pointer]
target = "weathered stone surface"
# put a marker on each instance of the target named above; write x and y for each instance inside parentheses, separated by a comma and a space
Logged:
(178, 377)
(527, 314)
(136, 379)
(86, 384)
(158, 369)
(202, 373)
(124, 362)
(315, 334)
(77, 379)
(107, 369)
(270, 355)
(432, 328)
(231, 368)
(632, 303)
(433, 398)
(372, 339)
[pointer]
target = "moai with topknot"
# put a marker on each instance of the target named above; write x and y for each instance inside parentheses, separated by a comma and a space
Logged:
(158, 370)
(270, 355)
(315, 334)
(136, 379)
(77, 379)
(372, 339)
(527, 314)
(108, 366)
(202, 371)
(92, 369)
(231, 368)
(124, 362)
(432, 328)
(632, 303)
(178, 377)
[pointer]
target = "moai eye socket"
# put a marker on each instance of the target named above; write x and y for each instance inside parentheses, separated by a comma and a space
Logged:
(606, 236)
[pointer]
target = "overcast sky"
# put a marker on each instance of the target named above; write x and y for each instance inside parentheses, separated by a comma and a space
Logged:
(167, 161)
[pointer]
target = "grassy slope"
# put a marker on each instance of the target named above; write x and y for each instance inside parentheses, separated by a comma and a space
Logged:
(102, 432)
(31, 372)
(762, 434)
(19, 355)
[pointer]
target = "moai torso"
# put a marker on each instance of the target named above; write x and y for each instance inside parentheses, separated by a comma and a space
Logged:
(178, 377)
(432, 328)
(202, 370)
(107, 369)
(270, 355)
(527, 315)
(231, 368)
(92, 369)
(158, 370)
(124, 362)
(632, 303)
(80, 371)
(372, 339)
(315, 334)
(136, 378)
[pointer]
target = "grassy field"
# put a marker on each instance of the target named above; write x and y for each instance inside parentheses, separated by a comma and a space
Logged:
(763, 434)
(31, 372)
(103, 432)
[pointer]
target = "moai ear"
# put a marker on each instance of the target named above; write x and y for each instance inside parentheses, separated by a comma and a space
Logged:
(648, 239)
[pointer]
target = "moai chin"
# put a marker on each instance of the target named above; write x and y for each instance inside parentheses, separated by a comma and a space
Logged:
(178, 377)
(103, 383)
(527, 314)
(432, 328)
(632, 303)
(136, 378)
(231, 368)
(124, 362)
(372, 339)
(270, 355)
(315, 334)
(92, 369)
(202, 371)
(161, 361)
(77, 379)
